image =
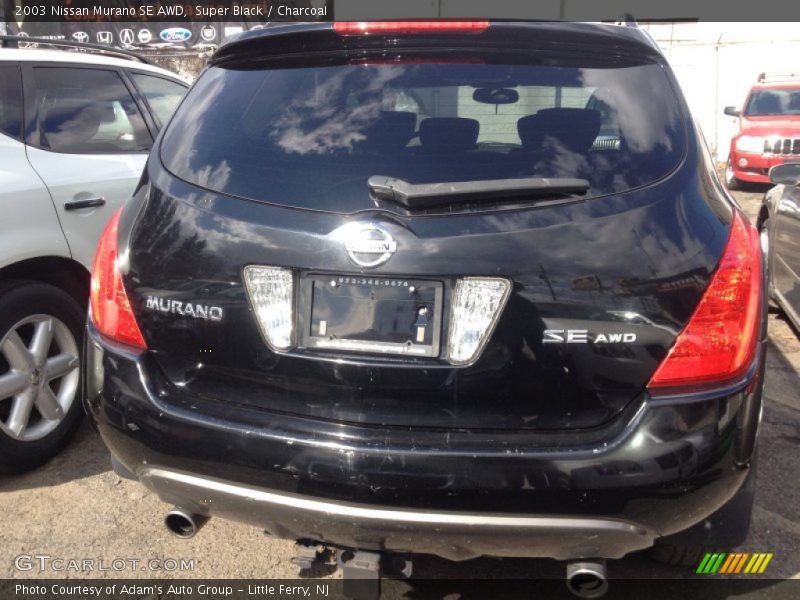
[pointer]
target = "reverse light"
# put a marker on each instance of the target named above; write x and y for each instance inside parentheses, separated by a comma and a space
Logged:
(110, 309)
(271, 292)
(383, 27)
(719, 342)
(476, 307)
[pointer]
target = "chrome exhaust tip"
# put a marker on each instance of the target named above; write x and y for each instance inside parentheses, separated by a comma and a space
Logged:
(587, 579)
(182, 523)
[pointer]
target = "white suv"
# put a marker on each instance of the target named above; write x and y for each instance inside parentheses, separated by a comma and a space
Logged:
(75, 131)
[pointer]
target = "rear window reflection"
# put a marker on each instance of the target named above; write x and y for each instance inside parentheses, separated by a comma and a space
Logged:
(291, 136)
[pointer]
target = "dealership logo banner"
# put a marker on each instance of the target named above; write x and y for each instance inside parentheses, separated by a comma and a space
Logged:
(29, 11)
(334, 589)
(151, 23)
(191, 23)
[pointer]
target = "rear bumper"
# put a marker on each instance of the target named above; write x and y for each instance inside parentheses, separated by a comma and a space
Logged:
(664, 466)
(453, 535)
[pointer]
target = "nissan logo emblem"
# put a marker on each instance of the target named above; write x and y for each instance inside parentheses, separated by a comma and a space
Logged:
(369, 245)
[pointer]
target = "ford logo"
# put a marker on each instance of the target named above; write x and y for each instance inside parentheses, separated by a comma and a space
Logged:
(175, 34)
(369, 245)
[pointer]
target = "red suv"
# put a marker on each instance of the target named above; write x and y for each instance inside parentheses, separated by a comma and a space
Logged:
(769, 131)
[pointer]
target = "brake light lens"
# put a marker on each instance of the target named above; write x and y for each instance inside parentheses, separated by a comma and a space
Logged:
(719, 341)
(408, 27)
(111, 311)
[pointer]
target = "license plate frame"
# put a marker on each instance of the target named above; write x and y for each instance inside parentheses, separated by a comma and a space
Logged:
(325, 294)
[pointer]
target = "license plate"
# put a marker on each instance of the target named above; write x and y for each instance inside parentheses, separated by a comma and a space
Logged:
(373, 315)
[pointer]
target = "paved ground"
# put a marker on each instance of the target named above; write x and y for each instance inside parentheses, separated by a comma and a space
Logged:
(76, 507)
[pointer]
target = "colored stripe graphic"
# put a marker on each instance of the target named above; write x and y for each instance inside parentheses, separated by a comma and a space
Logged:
(741, 562)
(711, 563)
(723, 563)
(764, 564)
(701, 568)
(758, 563)
(726, 566)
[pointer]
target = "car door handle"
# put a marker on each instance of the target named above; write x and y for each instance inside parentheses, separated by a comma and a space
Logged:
(87, 203)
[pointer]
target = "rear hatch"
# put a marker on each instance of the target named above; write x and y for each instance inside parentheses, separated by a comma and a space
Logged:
(495, 229)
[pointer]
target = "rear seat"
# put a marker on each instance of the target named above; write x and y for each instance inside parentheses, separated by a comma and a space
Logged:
(391, 131)
(573, 128)
(448, 135)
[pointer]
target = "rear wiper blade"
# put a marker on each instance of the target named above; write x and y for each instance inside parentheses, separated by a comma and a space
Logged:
(428, 195)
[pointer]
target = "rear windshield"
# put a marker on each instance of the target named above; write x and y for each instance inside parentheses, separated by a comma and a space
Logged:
(312, 136)
(773, 102)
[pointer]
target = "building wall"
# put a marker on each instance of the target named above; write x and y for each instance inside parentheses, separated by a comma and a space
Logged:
(716, 63)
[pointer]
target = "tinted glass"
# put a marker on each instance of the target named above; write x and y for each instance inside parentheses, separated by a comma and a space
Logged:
(312, 136)
(87, 111)
(162, 95)
(773, 102)
(10, 101)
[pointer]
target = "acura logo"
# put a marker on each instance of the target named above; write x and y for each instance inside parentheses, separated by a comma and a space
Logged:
(369, 245)
(126, 36)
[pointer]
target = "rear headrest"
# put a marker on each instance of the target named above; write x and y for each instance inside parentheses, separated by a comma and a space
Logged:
(392, 129)
(574, 128)
(448, 133)
(70, 124)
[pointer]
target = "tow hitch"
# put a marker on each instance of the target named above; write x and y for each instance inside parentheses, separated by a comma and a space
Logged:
(307, 554)
(361, 570)
(361, 574)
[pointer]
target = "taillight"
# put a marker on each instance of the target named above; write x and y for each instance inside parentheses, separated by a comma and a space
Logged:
(406, 27)
(111, 312)
(719, 341)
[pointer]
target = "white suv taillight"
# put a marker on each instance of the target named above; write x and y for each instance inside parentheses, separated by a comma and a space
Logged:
(476, 306)
(111, 311)
(271, 291)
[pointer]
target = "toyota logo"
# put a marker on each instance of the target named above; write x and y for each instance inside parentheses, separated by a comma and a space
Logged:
(369, 245)
(80, 36)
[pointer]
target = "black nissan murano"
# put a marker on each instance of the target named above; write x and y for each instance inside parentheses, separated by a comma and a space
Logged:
(459, 288)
